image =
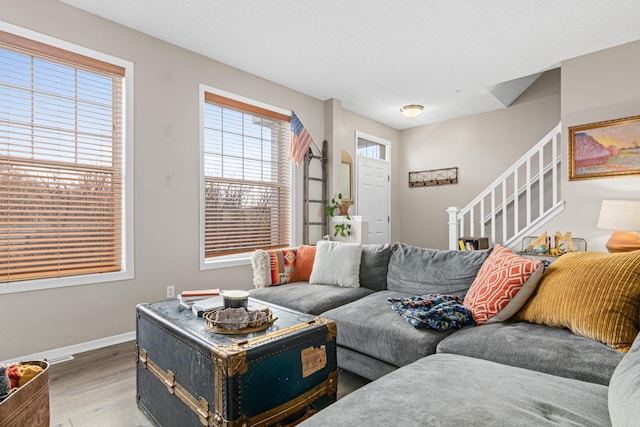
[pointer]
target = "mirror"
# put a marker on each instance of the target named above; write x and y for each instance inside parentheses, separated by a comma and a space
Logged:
(346, 177)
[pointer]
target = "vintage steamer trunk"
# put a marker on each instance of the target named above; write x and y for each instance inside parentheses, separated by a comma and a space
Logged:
(188, 376)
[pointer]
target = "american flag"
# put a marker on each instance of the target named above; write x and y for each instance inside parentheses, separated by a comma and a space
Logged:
(300, 140)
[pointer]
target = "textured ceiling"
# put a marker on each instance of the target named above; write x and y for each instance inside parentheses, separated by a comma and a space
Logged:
(455, 57)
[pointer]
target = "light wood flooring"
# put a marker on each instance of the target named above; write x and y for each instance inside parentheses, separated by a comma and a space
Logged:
(98, 388)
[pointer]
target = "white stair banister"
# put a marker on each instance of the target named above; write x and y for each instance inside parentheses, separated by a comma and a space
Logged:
(453, 227)
(507, 216)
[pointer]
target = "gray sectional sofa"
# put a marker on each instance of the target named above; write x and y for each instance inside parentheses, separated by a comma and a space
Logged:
(511, 373)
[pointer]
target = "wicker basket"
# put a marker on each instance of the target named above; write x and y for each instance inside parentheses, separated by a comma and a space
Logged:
(29, 405)
(246, 321)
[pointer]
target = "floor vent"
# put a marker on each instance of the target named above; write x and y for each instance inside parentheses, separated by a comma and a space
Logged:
(56, 360)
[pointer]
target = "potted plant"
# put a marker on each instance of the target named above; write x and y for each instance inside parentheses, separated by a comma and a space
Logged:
(344, 228)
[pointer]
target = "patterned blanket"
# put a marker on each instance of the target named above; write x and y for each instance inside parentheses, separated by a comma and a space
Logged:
(440, 312)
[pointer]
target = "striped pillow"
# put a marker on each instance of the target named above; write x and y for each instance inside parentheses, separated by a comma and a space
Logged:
(596, 295)
(272, 267)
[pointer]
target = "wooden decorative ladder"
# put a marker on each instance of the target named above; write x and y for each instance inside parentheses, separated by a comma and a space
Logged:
(317, 200)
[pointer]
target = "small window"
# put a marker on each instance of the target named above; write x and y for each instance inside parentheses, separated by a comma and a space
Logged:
(61, 163)
(372, 149)
(247, 184)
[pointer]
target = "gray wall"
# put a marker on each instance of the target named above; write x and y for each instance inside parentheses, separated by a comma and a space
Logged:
(481, 146)
(596, 87)
(166, 181)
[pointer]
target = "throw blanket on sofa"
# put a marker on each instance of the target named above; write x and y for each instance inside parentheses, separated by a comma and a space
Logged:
(440, 312)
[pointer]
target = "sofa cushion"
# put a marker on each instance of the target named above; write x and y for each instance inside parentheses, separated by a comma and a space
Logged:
(362, 365)
(304, 264)
(624, 389)
(419, 271)
(337, 263)
(272, 267)
(307, 298)
(596, 295)
(453, 390)
(374, 266)
(537, 347)
(503, 285)
(371, 327)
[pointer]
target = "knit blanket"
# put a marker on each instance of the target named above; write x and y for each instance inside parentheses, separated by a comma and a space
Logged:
(439, 312)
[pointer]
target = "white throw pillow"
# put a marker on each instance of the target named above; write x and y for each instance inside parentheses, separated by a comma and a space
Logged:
(337, 263)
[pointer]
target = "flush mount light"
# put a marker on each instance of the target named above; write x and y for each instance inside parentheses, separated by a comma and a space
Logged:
(411, 110)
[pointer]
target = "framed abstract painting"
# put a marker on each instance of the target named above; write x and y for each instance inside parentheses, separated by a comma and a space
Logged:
(605, 149)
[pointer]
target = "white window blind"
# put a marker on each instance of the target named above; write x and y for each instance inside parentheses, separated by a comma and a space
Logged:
(61, 162)
(247, 179)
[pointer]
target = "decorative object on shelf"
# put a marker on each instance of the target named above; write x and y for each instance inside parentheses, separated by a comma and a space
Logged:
(539, 246)
(546, 246)
(433, 177)
(605, 149)
(412, 110)
(343, 208)
(563, 243)
(343, 228)
(238, 321)
(622, 216)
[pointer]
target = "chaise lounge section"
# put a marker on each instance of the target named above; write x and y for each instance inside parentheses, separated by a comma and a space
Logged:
(451, 389)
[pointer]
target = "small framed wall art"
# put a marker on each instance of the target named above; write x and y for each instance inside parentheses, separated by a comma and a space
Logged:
(605, 149)
(433, 177)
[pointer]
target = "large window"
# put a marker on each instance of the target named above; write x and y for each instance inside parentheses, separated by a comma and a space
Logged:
(61, 163)
(246, 177)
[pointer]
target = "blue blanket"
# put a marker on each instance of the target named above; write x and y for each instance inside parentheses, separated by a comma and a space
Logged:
(440, 312)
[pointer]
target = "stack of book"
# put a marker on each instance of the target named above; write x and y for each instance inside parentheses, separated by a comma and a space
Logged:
(188, 298)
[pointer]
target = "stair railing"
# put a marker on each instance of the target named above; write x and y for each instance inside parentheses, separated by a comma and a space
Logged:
(523, 198)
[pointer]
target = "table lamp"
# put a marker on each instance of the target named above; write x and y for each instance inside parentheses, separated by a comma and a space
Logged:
(622, 216)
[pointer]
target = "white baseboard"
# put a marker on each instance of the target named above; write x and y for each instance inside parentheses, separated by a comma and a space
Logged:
(76, 348)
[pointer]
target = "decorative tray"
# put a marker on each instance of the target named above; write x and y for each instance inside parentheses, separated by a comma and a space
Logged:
(238, 321)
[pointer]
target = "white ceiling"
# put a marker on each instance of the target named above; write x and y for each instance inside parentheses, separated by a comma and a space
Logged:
(455, 57)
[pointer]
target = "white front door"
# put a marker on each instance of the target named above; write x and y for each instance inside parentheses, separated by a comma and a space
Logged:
(372, 196)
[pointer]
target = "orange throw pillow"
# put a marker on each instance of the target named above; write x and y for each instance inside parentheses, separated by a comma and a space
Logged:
(304, 264)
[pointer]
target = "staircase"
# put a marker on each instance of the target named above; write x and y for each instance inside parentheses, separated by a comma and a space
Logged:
(522, 199)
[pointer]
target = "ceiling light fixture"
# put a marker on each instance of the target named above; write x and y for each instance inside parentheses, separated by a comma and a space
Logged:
(411, 110)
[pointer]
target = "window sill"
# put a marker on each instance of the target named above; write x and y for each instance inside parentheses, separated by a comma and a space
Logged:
(62, 282)
(226, 261)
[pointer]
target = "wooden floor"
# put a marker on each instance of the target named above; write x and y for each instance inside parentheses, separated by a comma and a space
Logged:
(98, 388)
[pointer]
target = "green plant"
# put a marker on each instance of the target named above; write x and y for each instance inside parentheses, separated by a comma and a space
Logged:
(344, 228)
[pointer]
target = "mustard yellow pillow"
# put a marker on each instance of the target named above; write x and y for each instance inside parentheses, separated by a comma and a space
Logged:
(594, 294)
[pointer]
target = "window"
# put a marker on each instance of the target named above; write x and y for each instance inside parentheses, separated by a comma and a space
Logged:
(62, 180)
(247, 186)
(371, 149)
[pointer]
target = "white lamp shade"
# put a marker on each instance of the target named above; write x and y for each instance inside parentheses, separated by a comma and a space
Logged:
(620, 215)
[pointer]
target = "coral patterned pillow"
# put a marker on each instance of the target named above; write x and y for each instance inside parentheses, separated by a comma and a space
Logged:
(503, 285)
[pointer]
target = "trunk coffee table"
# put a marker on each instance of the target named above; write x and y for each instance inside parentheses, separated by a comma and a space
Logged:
(188, 376)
